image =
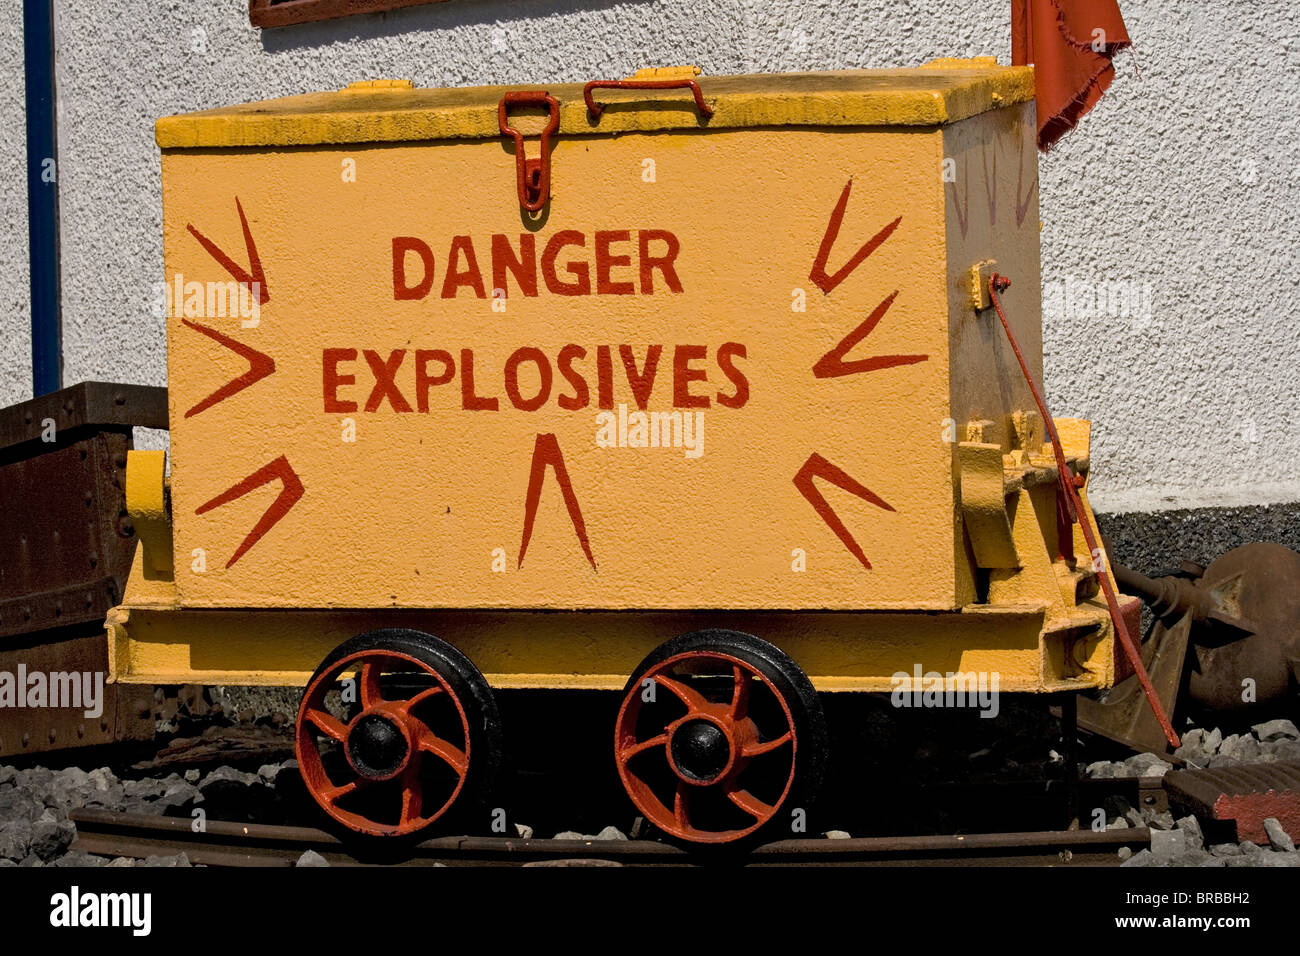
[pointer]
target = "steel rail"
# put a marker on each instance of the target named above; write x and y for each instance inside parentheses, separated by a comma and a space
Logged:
(228, 844)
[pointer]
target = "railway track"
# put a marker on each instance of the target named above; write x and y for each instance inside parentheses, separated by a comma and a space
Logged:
(227, 844)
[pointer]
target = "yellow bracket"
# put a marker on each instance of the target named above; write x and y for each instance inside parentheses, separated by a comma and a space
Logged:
(984, 505)
(147, 502)
(977, 285)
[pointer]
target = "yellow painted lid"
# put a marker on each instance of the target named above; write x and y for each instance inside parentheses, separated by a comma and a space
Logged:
(385, 111)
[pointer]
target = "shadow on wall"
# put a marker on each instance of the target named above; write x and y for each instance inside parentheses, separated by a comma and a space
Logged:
(435, 16)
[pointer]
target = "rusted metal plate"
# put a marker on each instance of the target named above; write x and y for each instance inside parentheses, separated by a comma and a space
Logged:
(66, 541)
(1124, 715)
(1253, 631)
(1152, 794)
(1247, 794)
(77, 603)
(1237, 620)
(88, 404)
(66, 544)
(90, 711)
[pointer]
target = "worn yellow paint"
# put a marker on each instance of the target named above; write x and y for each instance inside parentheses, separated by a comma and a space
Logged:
(667, 73)
(977, 285)
(377, 86)
(984, 505)
(846, 98)
(146, 503)
(420, 519)
(410, 513)
(158, 642)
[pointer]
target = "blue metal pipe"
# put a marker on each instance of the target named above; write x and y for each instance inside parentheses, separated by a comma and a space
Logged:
(43, 197)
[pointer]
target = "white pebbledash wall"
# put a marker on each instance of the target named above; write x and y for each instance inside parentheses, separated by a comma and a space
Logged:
(1170, 218)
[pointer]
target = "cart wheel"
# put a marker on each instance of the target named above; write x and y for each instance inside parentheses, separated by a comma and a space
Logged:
(413, 734)
(720, 736)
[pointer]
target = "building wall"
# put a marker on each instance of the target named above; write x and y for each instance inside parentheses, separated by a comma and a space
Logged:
(1169, 218)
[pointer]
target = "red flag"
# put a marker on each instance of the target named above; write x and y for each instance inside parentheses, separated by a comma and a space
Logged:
(1071, 44)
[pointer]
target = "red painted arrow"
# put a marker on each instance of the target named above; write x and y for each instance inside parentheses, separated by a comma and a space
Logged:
(260, 365)
(289, 494)
(961, 204)
(1022, 206)
(818, 274)
(833, 365)
(546, 451)
(253, 277)
(818, 467)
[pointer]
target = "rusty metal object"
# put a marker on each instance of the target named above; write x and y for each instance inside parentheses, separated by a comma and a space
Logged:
(281, 13)
(1152, 794)
(595, 109)
(85, 405)
(65, 548)
(1259, 584)
(533, 176)
(1245, 615)
(1123, 715)
(1246, 794)
(124, 712)
(65, 551)
(1173, 596)
(1219, 632)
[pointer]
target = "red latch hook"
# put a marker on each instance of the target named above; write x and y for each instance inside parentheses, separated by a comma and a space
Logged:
(1070, 484)
(595, 109)
(533, 175)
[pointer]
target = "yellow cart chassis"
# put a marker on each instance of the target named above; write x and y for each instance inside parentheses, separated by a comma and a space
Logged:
(1048, 632)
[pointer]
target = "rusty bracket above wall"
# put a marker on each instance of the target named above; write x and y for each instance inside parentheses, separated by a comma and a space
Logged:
(282, 13)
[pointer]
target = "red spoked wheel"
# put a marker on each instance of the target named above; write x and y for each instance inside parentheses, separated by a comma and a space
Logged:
(395, 729)
(719, 735)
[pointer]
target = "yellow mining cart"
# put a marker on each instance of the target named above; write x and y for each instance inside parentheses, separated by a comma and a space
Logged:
(678, 386)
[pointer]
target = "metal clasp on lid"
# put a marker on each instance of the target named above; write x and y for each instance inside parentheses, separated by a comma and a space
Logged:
(533, 175)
